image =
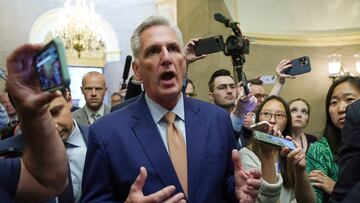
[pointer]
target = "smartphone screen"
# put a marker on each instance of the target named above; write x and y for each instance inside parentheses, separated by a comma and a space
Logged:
(50, 67)
(275, 141)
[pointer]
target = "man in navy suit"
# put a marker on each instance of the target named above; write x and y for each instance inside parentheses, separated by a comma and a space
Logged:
(134, 139)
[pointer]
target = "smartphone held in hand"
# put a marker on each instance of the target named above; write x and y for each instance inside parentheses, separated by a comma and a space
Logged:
(299, 66)
(274, 141)
(209, 45)
(51, 66)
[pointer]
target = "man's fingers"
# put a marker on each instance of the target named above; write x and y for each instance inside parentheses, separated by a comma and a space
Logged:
(236, 160)
(162, 195)
(252, 191)
(179, 197)
(18, 55)
(140, 180)
(256, 173)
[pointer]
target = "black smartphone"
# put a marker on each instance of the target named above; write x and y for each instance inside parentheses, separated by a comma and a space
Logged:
(51, 66)
(274, 141)
(209, 45)
(299, 66)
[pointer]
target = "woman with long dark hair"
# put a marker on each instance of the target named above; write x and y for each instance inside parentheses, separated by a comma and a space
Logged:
(323, 154)
(284, 177)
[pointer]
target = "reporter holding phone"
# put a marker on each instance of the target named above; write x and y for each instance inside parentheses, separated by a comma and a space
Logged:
(284, 177)
(41, 173)
(323, 155)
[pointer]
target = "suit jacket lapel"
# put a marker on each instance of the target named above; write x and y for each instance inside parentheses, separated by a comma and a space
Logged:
(148, 135)
(83, 117)
(196, 135)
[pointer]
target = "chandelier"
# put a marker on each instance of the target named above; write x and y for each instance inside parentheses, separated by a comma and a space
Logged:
(78, 27)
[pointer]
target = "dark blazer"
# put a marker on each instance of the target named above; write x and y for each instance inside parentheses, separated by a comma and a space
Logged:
(349, 161)
(123, 141)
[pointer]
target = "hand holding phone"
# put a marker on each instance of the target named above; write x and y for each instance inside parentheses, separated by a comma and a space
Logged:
(51, 66)
(273, 141)
(298, 66)
(209, 45)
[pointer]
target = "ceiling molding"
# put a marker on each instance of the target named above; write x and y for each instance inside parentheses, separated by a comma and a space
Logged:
(294, 23)
(305, 40)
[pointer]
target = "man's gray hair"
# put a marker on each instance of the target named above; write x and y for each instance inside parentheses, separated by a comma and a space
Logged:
(150, 22)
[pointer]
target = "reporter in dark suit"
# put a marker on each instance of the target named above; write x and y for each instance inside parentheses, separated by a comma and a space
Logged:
(135, 138)
(349, 162)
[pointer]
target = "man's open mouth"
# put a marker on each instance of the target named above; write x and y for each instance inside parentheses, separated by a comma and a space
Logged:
(167, 76)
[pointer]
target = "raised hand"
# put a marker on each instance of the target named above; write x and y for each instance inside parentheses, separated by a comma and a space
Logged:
(190, 52)
(23, 83)
(283, 65)
(247, 184)
(322, 181)
(244, 103)
(165, 195)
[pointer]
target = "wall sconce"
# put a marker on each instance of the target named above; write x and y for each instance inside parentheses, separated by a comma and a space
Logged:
(357, 62)
(334, 66)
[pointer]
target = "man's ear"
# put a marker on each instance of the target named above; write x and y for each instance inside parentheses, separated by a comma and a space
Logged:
(68, 97)
(136, 70)
(82, 90)
(211, 96)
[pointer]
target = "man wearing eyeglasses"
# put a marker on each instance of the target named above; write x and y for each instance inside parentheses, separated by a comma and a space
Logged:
(93, 89)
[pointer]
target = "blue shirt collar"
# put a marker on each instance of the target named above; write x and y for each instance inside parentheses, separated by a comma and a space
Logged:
(158, 112)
